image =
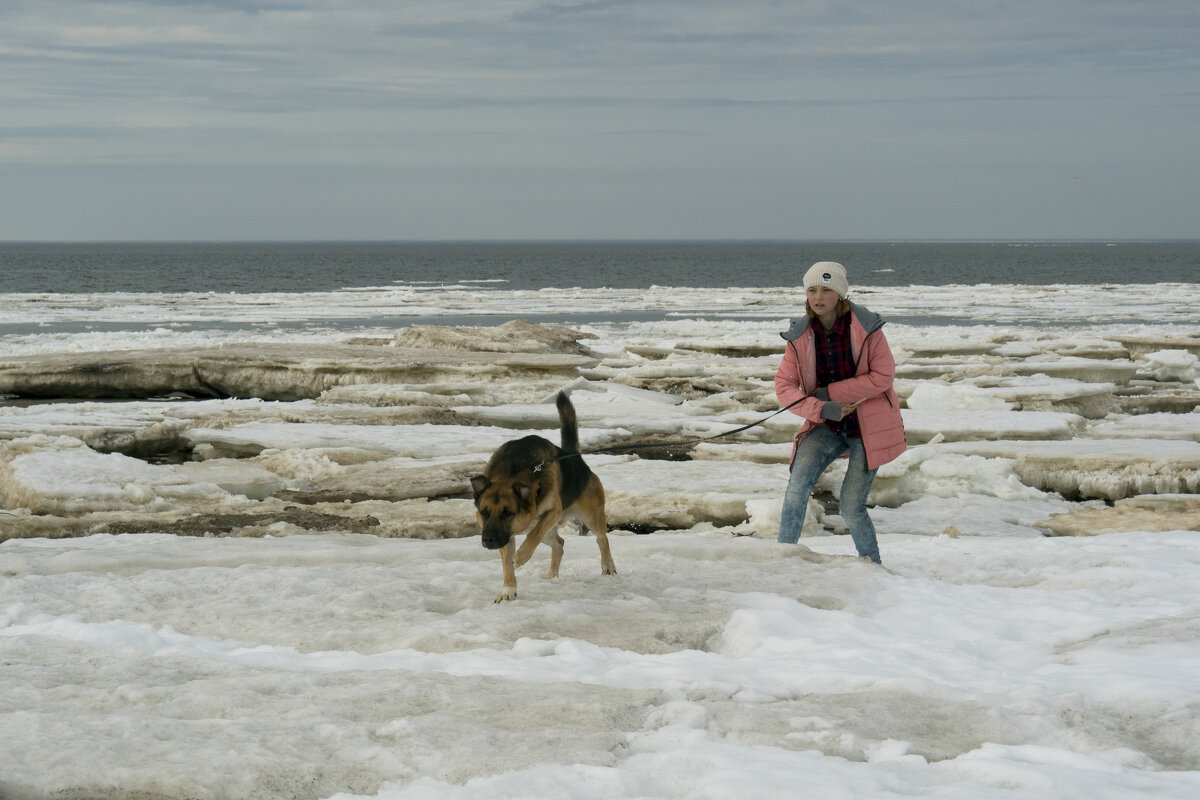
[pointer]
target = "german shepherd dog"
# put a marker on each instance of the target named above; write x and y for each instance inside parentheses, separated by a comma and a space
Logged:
(530, 485)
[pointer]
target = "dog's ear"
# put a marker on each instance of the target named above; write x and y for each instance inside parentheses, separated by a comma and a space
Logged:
(522, 491)
(479, 484)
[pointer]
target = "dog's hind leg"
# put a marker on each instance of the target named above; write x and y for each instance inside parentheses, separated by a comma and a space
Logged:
(593, 516)
(556, 553)
(607, 567)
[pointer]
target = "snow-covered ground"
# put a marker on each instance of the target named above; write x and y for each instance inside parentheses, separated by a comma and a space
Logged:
(279, 594)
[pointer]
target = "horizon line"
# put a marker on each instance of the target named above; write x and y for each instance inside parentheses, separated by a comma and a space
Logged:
(588, 240)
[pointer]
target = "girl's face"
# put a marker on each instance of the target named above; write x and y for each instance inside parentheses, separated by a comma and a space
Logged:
(822, 300)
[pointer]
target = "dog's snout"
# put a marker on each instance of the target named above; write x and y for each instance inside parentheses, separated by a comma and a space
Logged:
(494, 539)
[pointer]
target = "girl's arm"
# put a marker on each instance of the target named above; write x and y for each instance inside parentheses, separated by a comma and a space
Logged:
(790, 389)
(878, 378)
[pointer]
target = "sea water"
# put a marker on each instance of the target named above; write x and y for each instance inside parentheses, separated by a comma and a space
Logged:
(317, 266)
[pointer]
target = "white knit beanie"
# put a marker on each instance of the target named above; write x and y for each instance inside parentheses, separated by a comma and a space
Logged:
(829, 274)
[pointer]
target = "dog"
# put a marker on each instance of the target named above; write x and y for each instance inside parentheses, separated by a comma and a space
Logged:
(530, 485)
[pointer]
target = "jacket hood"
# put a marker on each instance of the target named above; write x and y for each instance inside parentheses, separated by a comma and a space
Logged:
(869, 320)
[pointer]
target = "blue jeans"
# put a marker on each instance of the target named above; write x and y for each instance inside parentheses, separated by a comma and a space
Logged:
(817, 450)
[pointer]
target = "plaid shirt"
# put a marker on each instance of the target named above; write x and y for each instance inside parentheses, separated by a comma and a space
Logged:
(835, 362)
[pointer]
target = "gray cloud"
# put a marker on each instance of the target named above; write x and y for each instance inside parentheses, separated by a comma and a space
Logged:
(940, 104)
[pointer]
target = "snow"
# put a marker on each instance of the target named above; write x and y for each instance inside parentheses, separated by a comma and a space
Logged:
(1177, 365)
(281, 594)
(958, 425)
(251, 667)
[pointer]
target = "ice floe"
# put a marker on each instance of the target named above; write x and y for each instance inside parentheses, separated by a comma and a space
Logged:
(237, 553)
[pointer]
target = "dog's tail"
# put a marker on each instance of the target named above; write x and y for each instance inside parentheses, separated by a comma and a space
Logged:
(569, 425)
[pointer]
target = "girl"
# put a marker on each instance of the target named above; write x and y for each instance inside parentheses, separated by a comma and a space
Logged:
(838, 365)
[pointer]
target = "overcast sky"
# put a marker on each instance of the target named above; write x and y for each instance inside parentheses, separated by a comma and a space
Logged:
(608, 119)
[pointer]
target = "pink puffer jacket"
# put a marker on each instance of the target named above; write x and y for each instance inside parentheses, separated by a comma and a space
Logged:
(878, 416)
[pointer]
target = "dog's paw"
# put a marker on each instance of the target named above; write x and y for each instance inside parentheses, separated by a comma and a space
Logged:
(608, 569)
(509, 593)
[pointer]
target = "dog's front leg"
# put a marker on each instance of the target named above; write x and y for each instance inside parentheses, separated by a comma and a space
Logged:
(532, 539)
(510, 573)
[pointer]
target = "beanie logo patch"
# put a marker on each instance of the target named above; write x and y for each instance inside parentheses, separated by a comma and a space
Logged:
(826, 278)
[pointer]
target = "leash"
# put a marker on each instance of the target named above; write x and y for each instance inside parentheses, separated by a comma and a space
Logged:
(650, 445)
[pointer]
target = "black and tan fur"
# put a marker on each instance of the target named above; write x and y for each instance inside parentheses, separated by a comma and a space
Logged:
(513, 496)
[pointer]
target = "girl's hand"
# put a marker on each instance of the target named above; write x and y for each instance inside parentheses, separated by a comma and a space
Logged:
(848, 408)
